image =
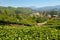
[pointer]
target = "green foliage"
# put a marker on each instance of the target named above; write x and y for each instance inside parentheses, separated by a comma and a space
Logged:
(41, 19)
(15, 15)
(53, 22)
(28, 33)
(18, 16)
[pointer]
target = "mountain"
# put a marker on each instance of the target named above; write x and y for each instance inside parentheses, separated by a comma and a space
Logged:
(46, 8)
(50, 8)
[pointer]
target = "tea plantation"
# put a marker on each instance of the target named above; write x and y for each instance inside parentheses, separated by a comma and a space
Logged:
(28, 33)
(26, 24)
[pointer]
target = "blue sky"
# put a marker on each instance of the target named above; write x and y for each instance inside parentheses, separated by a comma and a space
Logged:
(29, 3)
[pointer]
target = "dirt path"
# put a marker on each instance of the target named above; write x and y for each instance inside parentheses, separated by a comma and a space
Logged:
(40, 24)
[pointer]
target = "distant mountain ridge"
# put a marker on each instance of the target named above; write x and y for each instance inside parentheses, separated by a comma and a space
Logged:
(57, 7)
(50, 8)
(47, 8)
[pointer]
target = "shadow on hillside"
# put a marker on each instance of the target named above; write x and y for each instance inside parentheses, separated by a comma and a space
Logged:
(12, 23)
(57, 27)
(54, 26)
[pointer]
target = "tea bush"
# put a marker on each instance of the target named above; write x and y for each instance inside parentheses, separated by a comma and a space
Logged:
(29, 33)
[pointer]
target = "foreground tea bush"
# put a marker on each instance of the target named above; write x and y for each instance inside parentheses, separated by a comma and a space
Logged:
(29, 33)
